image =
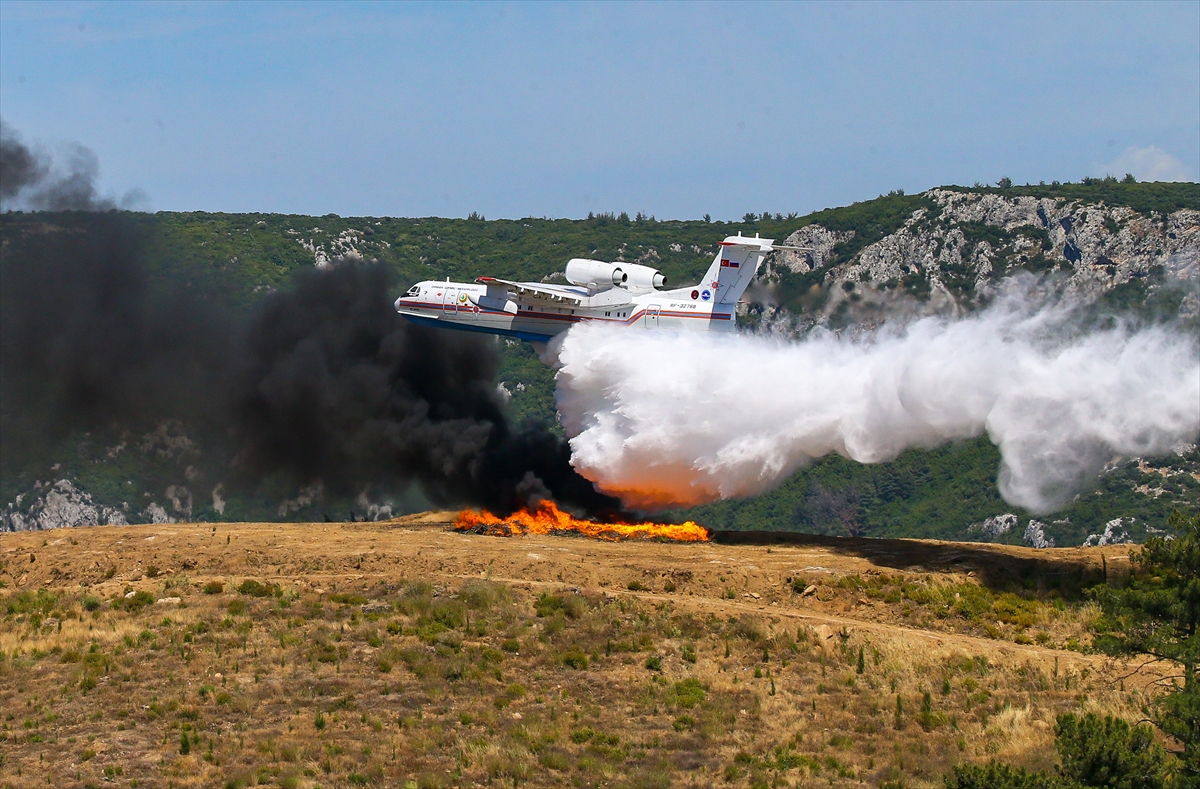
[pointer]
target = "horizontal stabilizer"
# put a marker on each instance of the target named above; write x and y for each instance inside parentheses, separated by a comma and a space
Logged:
(734, 267)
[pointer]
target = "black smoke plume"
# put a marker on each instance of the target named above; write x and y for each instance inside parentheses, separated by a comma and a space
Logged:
(337, 387)
(29, 178)
(89, 341)
(322, 382)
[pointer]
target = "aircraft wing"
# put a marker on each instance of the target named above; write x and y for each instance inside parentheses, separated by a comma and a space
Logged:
(532, 293)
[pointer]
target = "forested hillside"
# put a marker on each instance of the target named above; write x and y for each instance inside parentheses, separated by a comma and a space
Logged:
(1129, 247)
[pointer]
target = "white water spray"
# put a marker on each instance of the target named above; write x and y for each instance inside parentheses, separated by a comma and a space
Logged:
(661, 418)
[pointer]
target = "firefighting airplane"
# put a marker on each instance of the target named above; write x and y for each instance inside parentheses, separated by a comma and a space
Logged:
(623, 294)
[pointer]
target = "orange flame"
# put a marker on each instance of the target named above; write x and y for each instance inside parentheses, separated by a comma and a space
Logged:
(546, 518)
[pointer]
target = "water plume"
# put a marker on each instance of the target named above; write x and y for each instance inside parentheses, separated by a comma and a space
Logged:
(662, 419)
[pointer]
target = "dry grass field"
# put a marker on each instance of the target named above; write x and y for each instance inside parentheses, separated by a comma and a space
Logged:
(405, 654)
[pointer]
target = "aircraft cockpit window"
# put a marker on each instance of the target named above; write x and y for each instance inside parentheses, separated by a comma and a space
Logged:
(415, 290)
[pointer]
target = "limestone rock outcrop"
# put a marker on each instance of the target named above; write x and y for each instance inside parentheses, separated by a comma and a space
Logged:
(1114, 534)
(995, 526)
(950, 252)
(819, 243)
(62, 504)
(1035, 535)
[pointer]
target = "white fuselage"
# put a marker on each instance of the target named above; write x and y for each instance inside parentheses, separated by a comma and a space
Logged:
(462, 305)
(620, 294)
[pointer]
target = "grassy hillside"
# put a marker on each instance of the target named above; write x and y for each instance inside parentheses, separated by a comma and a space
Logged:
(401, 655)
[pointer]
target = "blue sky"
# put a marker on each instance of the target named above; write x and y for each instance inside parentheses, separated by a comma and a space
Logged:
(674, 109)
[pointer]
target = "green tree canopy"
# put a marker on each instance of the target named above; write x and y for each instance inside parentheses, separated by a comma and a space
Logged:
(1109, 752)
(998, 775)
(1157, 614)
(1105, 753)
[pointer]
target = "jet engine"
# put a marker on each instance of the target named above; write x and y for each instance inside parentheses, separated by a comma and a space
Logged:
(643, 278)
(595, 273)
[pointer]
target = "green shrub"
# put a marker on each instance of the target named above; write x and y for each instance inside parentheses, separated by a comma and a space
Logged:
(1109, 752)
(972, 602)
(344, 598)
(787, 759)
(448, 613)
(31, 602)
(214, 587)
(574, 606)
(997, 775)
(927, 718)
(90, 603)
(654, 663)
(138, 601)
(253, 588)
(687, 693)
(547, 604)
(1015, 610)
(575, 658)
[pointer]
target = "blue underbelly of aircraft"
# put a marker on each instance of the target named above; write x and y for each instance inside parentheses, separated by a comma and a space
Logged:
(527, 336)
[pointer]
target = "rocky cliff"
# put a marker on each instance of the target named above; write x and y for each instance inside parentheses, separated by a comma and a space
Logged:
(947, 255)
(57, 505)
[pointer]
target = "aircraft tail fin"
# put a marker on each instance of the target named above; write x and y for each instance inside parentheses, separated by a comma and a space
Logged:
(734, 267)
